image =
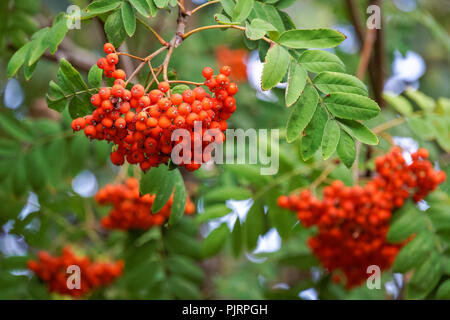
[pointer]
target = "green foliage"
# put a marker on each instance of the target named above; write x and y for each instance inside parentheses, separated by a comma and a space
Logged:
(328, 110)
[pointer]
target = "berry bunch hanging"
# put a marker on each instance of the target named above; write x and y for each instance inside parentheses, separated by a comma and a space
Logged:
(53, 271)
(353, 221)
(141, 123)
(132, 211)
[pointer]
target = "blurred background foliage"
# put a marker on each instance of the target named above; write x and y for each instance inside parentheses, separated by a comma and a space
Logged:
(49, 175)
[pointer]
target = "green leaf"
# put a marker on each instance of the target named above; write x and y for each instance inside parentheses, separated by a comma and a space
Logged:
(414, 253)
(114, 29)
(72, 75)
(223, 19)
(443, 293)
(95, 76)
(159, 181)
(14, 128)
(313, 133)
(270, 14)
(425, 278)
(406, 221)
(17, 60)
(359, 131)
(319, 61)
(223, 193)
(213, 212)
(142, 7)
(57, 33)
(128, 18)
(179, 88)
(183, 289)
(102, 6)
(296, 83)
(228, 6)
(440, 216)
(329, 82)
(242, 10)
(28, 70)
(351, 106)
(346, 149)
(237, 243)
(64, 83)
(215, 240)
(399, 103)
(19, 176)
(40, 45)
(275, 67)
(422, 126)
(254, 225)
(37, 169)
(185, 267)
(423, 101)
(152, 7)
(78, 108)
(258, 29)
(179, 199)
(330, 139)
(301, 114)
(161, 3)
(314, 38)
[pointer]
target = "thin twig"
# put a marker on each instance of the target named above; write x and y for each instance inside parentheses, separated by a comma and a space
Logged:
(130, 55)
(160, 39)
(186, 82)
(158, 72)
(366, 53)
(202, 6)
(387, 125)
(219, 26)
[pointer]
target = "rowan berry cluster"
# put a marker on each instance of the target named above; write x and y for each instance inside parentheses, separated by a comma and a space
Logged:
(53, 271)
(353, 221)
(131, 210)
(141, 124)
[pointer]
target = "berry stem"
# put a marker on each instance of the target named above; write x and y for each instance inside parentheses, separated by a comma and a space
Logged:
(156, 34)
(155, 78)
(220, 26)
(186, 82)
(130, 55)
(388, 125)
(202, 6)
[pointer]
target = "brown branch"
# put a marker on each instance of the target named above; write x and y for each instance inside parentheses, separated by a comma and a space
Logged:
(366, 53)
(355, 18)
